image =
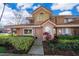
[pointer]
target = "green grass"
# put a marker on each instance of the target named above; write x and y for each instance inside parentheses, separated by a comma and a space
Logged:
(2, 49)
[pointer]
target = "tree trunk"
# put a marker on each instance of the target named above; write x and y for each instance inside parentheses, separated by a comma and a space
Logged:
(2, 12)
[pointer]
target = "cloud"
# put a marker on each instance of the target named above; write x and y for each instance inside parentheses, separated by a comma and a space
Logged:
(35, 7)
(1, 8)
(6, 15)
(66, 6)
(24, 5)
(65, 13)
(26, 14)
(77, 8)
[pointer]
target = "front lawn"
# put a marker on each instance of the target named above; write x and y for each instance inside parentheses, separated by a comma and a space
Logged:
(16, 44)
(2, 49)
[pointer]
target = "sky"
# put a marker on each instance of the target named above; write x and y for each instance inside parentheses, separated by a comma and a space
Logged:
(57, 9)
(28, 8)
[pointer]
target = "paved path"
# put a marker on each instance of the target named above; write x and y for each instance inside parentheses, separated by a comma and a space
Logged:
(37, 48)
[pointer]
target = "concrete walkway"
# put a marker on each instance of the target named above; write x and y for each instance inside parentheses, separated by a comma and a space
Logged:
(37, 48)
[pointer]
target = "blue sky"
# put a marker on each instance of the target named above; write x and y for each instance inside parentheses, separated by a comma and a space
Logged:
(74, 10)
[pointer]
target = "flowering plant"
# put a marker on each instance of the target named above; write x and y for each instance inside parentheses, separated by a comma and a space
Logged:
(47, 36)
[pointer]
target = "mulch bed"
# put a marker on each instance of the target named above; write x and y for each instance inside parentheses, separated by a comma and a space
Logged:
(49, 51)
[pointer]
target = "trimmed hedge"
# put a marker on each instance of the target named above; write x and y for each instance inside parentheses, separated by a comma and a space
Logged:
(67, 46)
(7, 35)
(20, 43)
(66, 43)
(3, 40)
(68, 37)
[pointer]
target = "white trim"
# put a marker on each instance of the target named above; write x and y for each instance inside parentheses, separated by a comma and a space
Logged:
(43, 24)
(44, 9)
(49, 22)
(67, 25)
(24, 26)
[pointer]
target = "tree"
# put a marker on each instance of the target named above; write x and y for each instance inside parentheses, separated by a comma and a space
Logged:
(2, 11)
(18, 18)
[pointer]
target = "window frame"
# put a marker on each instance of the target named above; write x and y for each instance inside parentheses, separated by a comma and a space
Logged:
(27, 33)
(67, 20)
(66, 31)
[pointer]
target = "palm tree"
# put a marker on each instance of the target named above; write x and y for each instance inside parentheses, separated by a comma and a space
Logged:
(2, 11)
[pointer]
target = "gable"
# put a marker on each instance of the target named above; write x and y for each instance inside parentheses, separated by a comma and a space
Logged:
(48, 23)
(41, 9)
(41, 14)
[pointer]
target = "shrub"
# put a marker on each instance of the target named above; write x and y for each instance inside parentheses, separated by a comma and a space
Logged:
(68, 37)
(21, 43)
(7, 35)
(67, 43)
(63, 46)
(3, 40)
(47, 36)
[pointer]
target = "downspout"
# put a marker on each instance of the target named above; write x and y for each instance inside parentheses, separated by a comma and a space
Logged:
(56, 24)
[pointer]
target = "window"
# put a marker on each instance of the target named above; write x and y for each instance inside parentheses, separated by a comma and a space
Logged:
(41, 16)
(14, 31)
(66, 20)
(66, 31)
(27, 31)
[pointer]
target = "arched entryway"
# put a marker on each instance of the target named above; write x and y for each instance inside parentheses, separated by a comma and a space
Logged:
(49, 29)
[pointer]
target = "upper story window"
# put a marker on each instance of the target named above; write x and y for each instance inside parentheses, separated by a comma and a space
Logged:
(40, 16)
(66, 20)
